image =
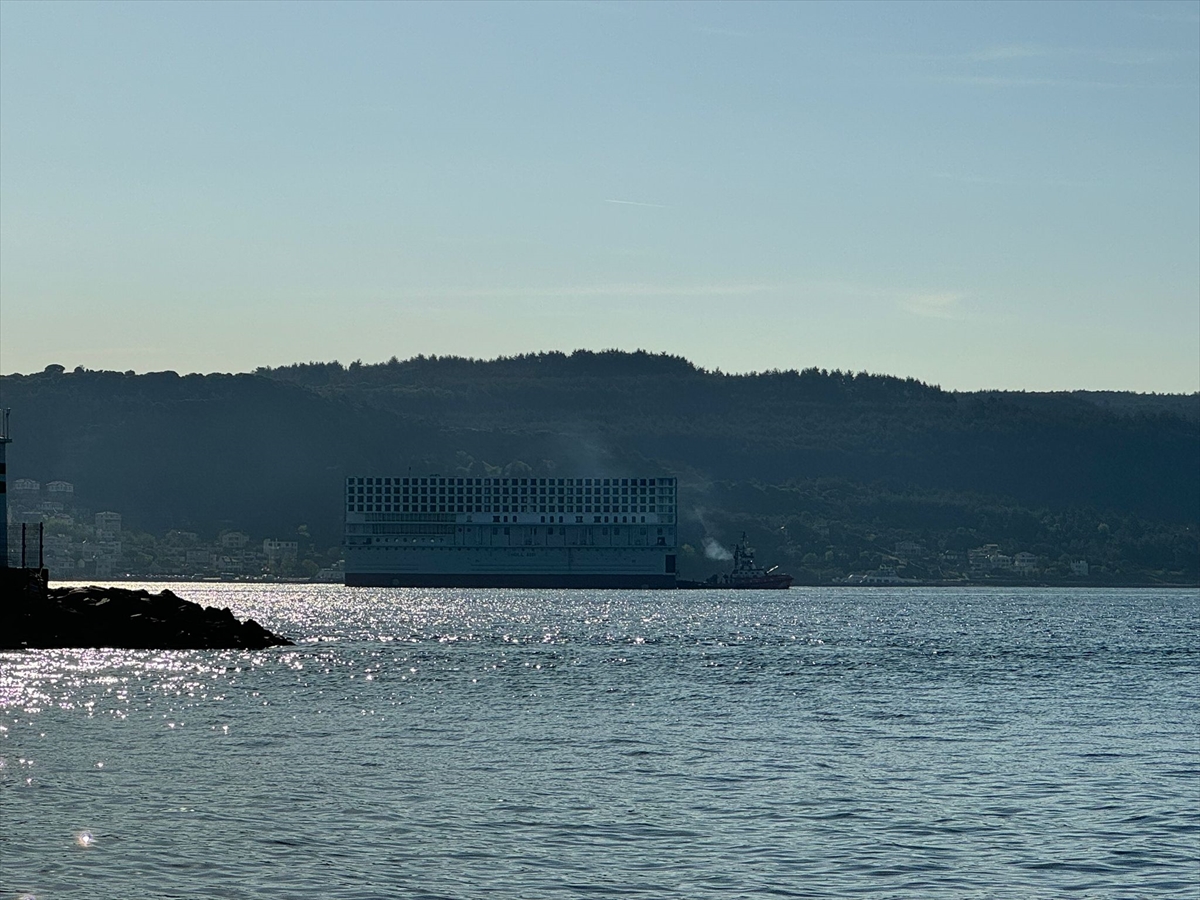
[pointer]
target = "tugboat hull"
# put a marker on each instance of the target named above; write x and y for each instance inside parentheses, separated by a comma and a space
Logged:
(781, 582)
(746, 575)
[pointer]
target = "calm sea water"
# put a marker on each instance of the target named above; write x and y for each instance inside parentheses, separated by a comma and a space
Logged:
(550, 744)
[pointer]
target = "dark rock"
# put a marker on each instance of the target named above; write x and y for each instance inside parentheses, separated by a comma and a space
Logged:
(128, 619)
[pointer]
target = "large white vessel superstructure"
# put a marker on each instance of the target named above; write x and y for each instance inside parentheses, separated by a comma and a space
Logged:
(452, 531)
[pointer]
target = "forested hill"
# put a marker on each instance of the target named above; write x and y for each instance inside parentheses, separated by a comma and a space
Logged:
(1127, 451)
(816, 450)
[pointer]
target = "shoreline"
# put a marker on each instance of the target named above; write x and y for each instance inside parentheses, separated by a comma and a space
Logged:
(1006, 583)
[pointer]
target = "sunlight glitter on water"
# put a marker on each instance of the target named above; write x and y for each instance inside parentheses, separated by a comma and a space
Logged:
(818, 743)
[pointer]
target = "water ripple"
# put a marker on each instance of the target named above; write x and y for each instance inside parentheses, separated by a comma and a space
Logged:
(506, 744)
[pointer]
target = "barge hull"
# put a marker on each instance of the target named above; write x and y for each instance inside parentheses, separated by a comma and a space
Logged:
(510, 580)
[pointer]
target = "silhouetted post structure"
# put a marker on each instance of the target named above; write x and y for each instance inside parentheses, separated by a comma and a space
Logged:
(4, 442)
(16, 581)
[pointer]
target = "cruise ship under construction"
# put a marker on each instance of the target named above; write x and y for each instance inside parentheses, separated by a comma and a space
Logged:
(447, 531)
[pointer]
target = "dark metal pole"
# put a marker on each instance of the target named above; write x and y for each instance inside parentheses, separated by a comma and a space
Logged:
(22, 545)
(41, 545)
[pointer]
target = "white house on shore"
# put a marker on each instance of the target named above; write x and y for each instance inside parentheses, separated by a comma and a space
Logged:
(1025, 563)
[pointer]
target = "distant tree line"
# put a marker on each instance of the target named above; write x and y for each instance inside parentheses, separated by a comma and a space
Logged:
(824, 469)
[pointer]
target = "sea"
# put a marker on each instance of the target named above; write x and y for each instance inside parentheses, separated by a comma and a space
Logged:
(885, 742)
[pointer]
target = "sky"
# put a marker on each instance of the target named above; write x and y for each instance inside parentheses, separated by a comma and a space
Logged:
(978, 195)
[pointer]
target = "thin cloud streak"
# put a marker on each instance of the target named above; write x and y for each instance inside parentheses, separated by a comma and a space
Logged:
(637, 203)
(723, 32)
(972, 179)
(933, 306)
(1010, 182)
(923, 303)
(1119, 57)
(1181, 18)
(999, 81)
(628, 289)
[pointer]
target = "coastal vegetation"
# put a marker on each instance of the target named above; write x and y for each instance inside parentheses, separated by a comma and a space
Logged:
(829, 473)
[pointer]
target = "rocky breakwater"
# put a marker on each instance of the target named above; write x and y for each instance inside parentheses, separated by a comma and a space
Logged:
(127, 619)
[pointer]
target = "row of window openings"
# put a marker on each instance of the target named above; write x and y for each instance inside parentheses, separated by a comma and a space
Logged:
(659, 542)
(578, 519)
(449, 529)
(487, 506)
(377, 491)
(550, 531)
(563, 531)
(466, 508)
(517, 482)
(380, 541)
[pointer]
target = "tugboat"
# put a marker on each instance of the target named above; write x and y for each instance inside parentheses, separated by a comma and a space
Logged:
(746, 573)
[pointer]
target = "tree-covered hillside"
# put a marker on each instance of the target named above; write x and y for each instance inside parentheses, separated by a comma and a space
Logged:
(827, 471)
(772, 427)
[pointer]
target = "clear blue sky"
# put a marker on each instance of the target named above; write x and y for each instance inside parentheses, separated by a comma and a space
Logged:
(978, 195)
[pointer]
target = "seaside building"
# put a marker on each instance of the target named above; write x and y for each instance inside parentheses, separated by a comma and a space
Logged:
(198, 559)
(108, 526)
(1025, 563)
(280, 553)
(61, 492)
(234, 540)
(25, 489)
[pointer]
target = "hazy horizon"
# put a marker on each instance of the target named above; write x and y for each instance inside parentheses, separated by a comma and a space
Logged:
(981, 196)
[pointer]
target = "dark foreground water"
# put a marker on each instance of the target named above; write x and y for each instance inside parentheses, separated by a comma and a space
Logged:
(546, 744)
